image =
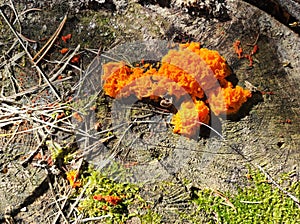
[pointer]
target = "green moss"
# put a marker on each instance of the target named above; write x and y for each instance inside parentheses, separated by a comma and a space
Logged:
(259, 202)
(99, 183)
(150, 217)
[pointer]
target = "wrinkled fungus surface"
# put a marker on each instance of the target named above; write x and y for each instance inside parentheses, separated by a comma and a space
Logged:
(190, 70)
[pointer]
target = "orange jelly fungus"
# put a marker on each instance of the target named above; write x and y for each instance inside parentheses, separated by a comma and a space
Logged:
(113, 200)
(228, 100)
(75, 59)
(186, 120)
(192, 70)
(72, 175)
(66, 37)
(238, 49)
(64, 50)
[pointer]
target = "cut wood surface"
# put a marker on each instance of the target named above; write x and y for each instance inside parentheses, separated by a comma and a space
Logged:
(264, 135)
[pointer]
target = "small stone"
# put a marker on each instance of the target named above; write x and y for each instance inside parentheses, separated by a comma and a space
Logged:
(24, 209)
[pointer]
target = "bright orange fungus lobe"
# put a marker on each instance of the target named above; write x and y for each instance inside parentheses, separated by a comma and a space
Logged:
(113, 200)
(186, 120)
(189, 71)
(228, 100)
(66, 37)
(64, 50)
(72, 175)
(75, 59)
(238, 49)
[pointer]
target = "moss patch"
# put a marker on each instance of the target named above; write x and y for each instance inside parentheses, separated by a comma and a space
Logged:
(259, 202)
(107, 198)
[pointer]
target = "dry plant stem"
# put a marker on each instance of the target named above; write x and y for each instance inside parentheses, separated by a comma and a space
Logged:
(50, 42)
(79, 85)
(80, 196)
(29, 10)
(62, 207)
(96, 144)
(16, 14)
(18, 20)
(68, 195)
(268, 176)
(222, 38)
(26, 38)
(111, 129)
(78, 199)
(15, 84)
(123, 135)
(9, 99)
(29, 55)
(65, 64)
(31, 115)
(35, 151)
(12, 47)
(115, 149)
(295, 199)
(214, 130)
(23, 132)
(53, 124)
(255, 42)
(54, 197)
(83, 133)
(4, 121)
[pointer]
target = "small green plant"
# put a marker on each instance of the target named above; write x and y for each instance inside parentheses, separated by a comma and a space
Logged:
(104, 197)
(150, 217)
(259, 202)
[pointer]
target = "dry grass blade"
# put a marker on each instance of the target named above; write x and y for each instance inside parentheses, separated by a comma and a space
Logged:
(54, 197)
(67, 196)
(78, 199)
(13, 59)
(226, 199)
(15, 12)
(9, 99)
(29, 55)
(50, 42)
(65, 64)
(39, 117)
(294, 198)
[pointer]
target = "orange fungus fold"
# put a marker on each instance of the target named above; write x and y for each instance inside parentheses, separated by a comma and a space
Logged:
(228, 100)
(113, 200)
(189, 118)
(189, 70)
(72, 177)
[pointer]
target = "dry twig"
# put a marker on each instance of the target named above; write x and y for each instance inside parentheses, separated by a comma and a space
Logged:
(50, 42)
(65, 64)
(29, 55)
(294, 198)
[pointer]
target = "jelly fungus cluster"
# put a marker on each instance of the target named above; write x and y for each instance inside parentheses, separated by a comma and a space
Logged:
(193, 76)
